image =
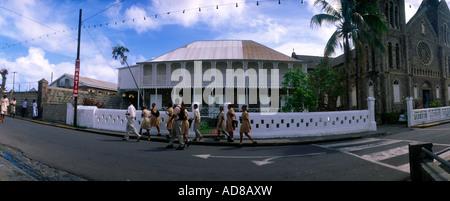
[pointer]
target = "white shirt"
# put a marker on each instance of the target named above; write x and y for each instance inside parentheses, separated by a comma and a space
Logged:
(197, 114)
(131, 111)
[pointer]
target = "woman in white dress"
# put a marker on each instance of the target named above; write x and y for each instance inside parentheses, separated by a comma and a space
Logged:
(35, 109)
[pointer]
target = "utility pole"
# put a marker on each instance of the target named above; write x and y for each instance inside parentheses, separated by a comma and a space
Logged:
(14, 80)
(77, 74)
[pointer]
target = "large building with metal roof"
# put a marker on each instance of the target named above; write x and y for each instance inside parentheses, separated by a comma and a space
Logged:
(207, 68)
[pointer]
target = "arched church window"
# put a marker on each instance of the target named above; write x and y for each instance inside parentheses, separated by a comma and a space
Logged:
(396, 91)
(370, 89)
(416, 91)
(397, 56)
(391, 64)
(391, 14)
(438, 93)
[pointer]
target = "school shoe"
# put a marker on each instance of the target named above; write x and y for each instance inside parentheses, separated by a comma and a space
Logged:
(138, 139)
(254, 143)
(180, 148)
(188, 143)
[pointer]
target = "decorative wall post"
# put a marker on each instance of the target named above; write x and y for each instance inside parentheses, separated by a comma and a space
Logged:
(371, 108)
(409, 110)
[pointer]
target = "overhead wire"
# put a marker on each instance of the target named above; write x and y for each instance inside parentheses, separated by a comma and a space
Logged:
(183, 11)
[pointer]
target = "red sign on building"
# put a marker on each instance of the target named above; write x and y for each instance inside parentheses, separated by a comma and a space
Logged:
(76, 78)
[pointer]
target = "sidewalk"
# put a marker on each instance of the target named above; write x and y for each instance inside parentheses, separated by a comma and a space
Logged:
(10, 171)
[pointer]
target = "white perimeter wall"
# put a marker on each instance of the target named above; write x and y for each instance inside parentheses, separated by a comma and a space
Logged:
(279, 125)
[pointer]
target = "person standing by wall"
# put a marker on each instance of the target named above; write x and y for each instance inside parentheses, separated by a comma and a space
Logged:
(131, 114)
(4, 108)
(35, 109)
(13, 107)
(198, 135)
(24, 107)
(245, 126)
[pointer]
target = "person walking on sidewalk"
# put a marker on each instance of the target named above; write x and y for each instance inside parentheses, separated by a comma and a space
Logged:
(198, 135)
(4, 108)
(229, 123)
(145, 124)
(154, 119)
(131, 115)
(221, 124)
(170, 121)
(245, 126)
(185, 125)
(176, 131)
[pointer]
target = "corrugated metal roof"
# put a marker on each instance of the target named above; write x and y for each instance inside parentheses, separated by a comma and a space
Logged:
(223, 50)
(85, 81)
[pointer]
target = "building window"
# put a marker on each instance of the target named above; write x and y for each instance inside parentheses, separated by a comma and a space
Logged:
(390, 55)
(445, 34)
(397, 56)
(391, 14)
(424, 53)
(370, 90)
(368, 68)
(448, 91)
(438, 93)
(416, 92)
(396, 92)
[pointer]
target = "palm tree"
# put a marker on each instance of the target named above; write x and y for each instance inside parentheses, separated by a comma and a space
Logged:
(119, 51)
(357, 23)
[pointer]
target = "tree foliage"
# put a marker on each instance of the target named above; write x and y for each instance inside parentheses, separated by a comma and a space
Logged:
(357, 23)
(314, 91)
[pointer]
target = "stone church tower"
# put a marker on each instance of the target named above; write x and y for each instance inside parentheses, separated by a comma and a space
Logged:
(416, 63)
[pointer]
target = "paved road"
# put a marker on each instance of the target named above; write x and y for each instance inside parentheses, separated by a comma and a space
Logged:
(100, 157)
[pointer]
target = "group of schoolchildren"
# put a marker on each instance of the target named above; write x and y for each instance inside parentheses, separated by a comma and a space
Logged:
(179, 122)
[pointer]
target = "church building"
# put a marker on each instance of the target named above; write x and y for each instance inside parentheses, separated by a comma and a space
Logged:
(416, 63)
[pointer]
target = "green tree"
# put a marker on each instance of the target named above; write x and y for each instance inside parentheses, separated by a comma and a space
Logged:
(329, 84)
(301, 92)
(317, 90)
(357, 22)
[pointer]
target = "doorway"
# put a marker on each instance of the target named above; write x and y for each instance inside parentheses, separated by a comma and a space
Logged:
(426, 98)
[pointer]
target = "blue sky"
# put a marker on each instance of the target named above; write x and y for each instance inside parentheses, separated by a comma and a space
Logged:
(38, 37)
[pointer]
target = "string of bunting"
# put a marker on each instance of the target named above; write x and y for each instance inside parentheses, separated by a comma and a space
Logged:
(154, 16)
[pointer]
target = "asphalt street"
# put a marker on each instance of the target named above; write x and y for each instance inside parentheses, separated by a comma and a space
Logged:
(108, 158)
